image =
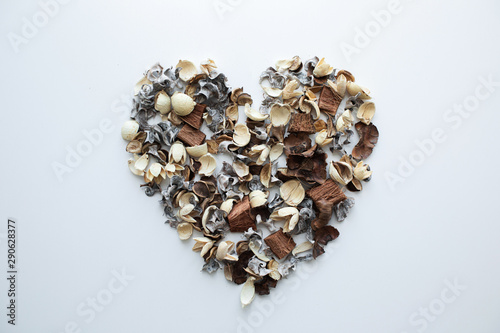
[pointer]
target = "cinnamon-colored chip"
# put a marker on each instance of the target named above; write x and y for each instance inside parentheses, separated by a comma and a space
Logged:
(329, 100)
(191, 136)
(280, 244)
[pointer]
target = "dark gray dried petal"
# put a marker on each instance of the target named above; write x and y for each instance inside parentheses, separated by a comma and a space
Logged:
(342, 208)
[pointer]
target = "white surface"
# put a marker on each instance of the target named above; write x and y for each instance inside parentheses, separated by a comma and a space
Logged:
(396, 248)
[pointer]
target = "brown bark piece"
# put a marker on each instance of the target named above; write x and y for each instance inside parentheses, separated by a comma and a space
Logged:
(191, 136)
(328, 191)
(301, 122)
(195, 118)
(239, 218)
(280, 244)
(329, 100)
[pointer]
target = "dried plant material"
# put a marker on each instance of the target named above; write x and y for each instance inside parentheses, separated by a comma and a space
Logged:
(353, 89)
(241, 169)
(185, 230)
(344, 122)
(241, 136)
(232, 112)
(292, 192)
(191, 136)
(322, 69)
(366, 112)
(322, 138)
(188, 70)
(223, 251)
(273, 92)
(341, 171)
(140, 83)
(301, 122)
(319, 125)
(329, 100)
(155, 173)
(258, 198)
(284, 64)
(208, 66)
(162, 102)
(247, 292)
(142, 163)
(289, 90)
(208, 165)
(341, 84)
(197, 151)
(290, 215)
(236, 198)
(182, 104)
(280, 244)
(254, 114)
(227, 205)
(355, 185)
(362, 171)
(134, 146)
(129, 130)
(275, 152)
(240, 219)
(203, 245)
(133, 169)
(280, 114)
(177, 153)
(368, 138)
(195, 118)
(302, 247)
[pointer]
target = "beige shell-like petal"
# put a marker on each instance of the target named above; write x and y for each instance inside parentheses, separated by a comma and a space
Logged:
(292, 192)
(341, 171)
(185, 213)
(344, 122)
(288, 214)
(322, 69)
(197, 151)
(241, 169)
(140, 83)
(322, 138)
(200, 243)
(188, 70)
(162, 102)
(273, 266)
(185, 230)
(273, 92)
(263, 156)
(362, 171)
(207, 66)
(257, 198)
(208, 165)
(265, 175)
(130, 129)
(254, 114)
(289, 90)
(302, 247)
(247, 292)
(341, 84)
(185, 199)
(177, 153)
(142, 163)
(353, 89)
(232, 112)
(227, 205)
(280, 114)
(284, 64)
(276, 151)
(223, 250)
(133, 169)
(182, 104)
(241, 136)
(366, 112)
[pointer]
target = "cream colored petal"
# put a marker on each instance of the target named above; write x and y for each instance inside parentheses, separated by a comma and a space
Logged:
(247, 292)
(366, 112)
(208, 165)
(185, 230)
(188, 70)
(129, 129)
(280, 114)
(162, 102)
(292, 192)
(241, 136)
(254, 114)
(182, 104)
(197, 151)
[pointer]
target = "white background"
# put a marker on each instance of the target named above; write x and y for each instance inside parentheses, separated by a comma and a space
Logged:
(398, 246)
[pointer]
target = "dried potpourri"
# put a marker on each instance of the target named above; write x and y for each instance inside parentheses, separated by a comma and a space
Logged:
(308, 107)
